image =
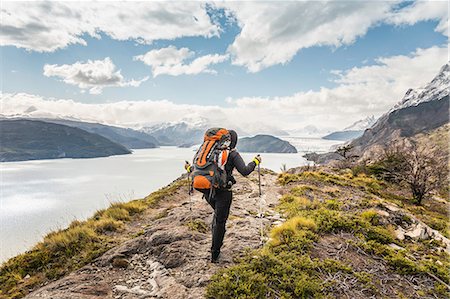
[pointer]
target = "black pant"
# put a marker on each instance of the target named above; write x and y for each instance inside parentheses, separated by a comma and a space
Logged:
(221, 203)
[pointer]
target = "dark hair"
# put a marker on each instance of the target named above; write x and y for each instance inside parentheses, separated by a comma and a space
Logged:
(234, 138)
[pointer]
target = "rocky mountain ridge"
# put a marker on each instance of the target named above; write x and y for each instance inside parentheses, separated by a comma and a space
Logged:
(362, 124)
(420, 111)
(438, 88)
(353, 131)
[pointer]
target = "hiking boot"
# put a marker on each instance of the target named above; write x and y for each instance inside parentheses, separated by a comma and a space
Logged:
(215, 256)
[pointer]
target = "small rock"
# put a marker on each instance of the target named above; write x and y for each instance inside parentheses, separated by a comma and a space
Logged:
(400, 233)
(396, 247)
(391, 207)
(382, 213)
(121, 288)
(135, 290)
(120, 263)
(153, 283)
(418, 232)
(253, 195)
(138, 291)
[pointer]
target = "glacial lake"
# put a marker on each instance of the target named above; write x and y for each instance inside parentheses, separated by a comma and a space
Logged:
(39, 196)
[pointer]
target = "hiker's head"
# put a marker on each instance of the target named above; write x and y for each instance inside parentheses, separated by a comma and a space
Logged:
(234, 138)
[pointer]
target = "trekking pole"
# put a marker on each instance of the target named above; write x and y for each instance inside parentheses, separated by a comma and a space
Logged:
(190, 195)
(261, 231)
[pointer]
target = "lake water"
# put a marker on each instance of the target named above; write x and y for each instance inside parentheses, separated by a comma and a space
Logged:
(37, 197)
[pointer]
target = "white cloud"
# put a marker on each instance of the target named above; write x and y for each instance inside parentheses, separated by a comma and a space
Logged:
(423, 11)
(173, 61)
(48, 26)
(93, 75)
(363, 91)
(273, 32)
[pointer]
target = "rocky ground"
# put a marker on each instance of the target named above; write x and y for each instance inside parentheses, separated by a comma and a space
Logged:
(169, 257)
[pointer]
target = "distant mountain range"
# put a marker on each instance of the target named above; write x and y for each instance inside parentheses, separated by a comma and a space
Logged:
(354, 131)
(184, 133)
(23, 139)
(265, 144)
(130, 138)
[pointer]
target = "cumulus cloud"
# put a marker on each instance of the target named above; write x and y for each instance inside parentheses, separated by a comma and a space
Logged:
(423, 11)
(363, 91)
(93, 75)
(360, 92)
(47, 26)
(173, 61)
(273, 32)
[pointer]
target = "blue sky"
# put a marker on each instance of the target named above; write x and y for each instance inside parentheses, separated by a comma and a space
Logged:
(272, 75)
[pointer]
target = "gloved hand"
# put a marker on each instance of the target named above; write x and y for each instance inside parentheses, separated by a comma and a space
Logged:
(188, 167)
(257, 160)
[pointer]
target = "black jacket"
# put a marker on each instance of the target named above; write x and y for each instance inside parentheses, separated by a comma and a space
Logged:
(235, 161)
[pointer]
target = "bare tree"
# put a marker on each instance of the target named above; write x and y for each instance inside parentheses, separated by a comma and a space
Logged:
(423, 169)
(344, 151)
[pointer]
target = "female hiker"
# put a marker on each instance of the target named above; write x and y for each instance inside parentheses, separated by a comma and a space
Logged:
(218, 193)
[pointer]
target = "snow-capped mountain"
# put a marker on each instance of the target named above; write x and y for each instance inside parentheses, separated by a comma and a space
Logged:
(353, 131)
(184, 124)
(186, 132)
(307, 131)
(438, 88)
(421, 110)
(362, 124)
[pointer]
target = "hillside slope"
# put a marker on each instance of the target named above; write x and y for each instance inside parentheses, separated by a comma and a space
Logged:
(404, 122)
(30, 140)
(327, 234)
(264, 144)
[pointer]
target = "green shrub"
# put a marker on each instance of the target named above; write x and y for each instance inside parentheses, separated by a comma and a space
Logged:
(198, 225)
(402, 264)
(331, 221)
(106, 225)
(117, 213)
(379, 234)
(333, 204)
(371, 216)
(294, 232)
(302, 190)
(133, 207)
(286, 178)
(237, 282)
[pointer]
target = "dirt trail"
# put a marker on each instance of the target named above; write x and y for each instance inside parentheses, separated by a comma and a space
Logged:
(168, 259)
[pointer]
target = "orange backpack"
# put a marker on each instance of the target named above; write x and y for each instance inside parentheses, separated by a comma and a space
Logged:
(209, 162)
